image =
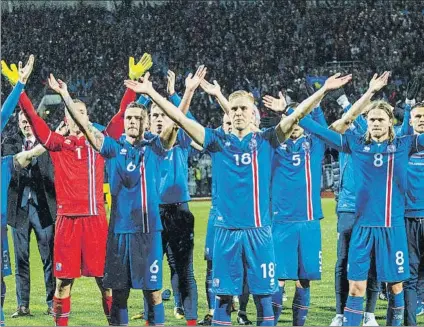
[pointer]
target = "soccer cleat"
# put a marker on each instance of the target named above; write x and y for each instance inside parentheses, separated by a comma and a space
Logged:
(178, 313)
(22, 312)
(420, 308)
(243, 320)
(206, 321)
(337, 320)
(49, 311)
(138, 316)
(369, 320)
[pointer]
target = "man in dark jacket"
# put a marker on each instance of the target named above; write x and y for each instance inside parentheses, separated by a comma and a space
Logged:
(31, 206)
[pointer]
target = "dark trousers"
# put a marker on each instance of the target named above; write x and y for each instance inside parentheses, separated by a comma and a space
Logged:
(178, 244)
(345, 224)
(415, 235)
(21, 241)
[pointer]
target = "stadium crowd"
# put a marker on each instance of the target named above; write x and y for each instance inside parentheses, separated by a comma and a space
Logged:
(261, 46)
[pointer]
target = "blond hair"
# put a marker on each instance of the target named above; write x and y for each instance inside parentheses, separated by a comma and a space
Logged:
(240, 94)
(388, 109)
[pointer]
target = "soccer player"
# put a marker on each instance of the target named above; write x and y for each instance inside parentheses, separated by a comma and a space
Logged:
(81, 220)
(243, 235)
(414, 217)
(134, 251)
(380, 161)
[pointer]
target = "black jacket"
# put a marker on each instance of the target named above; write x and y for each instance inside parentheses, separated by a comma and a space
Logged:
(41, 182)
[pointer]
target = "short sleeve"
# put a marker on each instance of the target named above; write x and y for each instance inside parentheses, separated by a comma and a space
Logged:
(110, 147)
(212, 138)
(183, 139)
(270, 135)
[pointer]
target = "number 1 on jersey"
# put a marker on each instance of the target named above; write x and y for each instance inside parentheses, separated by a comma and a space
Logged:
(79, 157)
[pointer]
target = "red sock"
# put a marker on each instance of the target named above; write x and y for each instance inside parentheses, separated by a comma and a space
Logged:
(61, 310)
(107, 306)
(147, 323)
(191, 322)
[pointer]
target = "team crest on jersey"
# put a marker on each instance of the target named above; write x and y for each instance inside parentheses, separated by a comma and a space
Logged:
(391, 148)
(253, 144)
(306, 146)
(367, 149)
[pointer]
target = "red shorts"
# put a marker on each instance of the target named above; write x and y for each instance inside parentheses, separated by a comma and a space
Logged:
(80, 246)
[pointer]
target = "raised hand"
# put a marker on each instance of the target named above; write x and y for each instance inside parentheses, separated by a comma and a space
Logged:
(336, 81)
(193, 82)
(275, 104)
(25, 72)
(145, 86)
(11, 74)
(377, 83)
(58, 85)
(62, 129)
(170, 88)
(413, 88)
(211, 89)
(138, 70)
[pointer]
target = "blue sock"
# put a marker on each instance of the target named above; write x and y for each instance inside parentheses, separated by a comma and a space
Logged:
(210, 296)
(277, 303)
(157, 318)
(300, 306)
(3, 296)
(395, 309)
(119, 310)
(264, 313)
(222, 313)
(353, 311)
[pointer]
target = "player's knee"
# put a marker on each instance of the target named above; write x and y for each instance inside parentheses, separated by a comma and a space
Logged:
(357, 288)
(153, 297)
(63, 287)
(281, 283)
(395, 288)
(120, 298)
(303, 283)
(224, 300)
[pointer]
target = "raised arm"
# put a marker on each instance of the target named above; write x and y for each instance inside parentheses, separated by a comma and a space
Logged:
(94, 136)
(192, 128)
(168, 136)
(215, 90)
(15, 76)
(411, 93)
(192, 82)
(286, 125)
(115, 128)
(376, 84)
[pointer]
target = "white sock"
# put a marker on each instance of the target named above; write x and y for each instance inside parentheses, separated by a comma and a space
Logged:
(369, 315)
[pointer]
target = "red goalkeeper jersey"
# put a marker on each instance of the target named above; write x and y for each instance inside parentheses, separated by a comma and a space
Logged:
(79, 172)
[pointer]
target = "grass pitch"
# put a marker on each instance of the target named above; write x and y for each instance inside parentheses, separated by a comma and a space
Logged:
(86, 301)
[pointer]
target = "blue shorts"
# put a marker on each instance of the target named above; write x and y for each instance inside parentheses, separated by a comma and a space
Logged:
(134, 260)
(210, 234)
(386, 245)
(298, 249)
(6, 269)
(243, 253)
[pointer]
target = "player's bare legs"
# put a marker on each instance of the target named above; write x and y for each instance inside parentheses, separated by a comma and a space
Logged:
(155, 313)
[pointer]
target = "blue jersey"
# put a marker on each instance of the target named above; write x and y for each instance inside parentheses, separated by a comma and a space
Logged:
(380, 174)
(174, 171)
(214, 193)
(296, 180)
(415, 189)
(346, 200)
(6, 175)
(11, 102)
(243, 177)
(134, 185)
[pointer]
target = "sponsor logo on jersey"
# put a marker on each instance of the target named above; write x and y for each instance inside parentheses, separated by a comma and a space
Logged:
(58, 266)
(283, 146)
(123, 151)
(401, 270)
(153, 278)
(367, 149)
(67, 141)
(227, 144)
(220, 218)
(215, 282)
(272, 282)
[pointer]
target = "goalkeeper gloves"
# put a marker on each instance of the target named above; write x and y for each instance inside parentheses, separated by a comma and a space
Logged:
(11, 74)
(138, 70)
(412, 90)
